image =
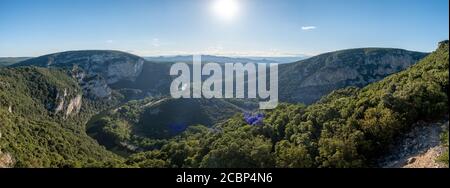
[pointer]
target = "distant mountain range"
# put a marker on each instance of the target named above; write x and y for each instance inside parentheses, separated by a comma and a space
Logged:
(282, 60)
(305, 81)
(222, 59)
(6, 61)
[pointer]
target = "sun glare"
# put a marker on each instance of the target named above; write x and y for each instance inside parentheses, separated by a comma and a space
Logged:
(226, 9)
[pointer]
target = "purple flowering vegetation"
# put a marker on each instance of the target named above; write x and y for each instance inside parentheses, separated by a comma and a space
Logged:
(254, 119)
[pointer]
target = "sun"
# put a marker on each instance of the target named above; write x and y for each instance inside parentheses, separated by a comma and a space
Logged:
(226, 9)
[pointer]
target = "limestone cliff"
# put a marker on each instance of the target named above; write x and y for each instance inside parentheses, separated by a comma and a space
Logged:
(67, 104)
(308, 80)
(95, 70)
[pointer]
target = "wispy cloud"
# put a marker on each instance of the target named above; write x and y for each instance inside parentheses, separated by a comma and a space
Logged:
(306, 28)
(109, 41)
(156, 42)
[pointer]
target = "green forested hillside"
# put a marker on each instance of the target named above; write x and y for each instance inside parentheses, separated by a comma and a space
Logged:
(43, 113)
(308, 80)
(38, 128)
(148, 124)
(348, 128)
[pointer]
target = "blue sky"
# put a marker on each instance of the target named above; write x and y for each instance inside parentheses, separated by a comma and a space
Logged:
(258, 27)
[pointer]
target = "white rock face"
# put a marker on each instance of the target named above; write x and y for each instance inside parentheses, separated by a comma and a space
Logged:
(74, 105)
(61, 100)
(125, 70)
(68, 106)
(103, 70)
(95, 70)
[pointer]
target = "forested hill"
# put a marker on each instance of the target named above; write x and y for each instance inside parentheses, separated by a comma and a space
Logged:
(349, 128)
(42, 116)
(308, 80)
(7, 61)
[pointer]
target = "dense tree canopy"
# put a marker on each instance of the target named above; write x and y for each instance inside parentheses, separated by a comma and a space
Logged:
(348, 128)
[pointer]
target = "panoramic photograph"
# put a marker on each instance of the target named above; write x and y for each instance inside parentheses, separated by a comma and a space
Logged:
(224, 84)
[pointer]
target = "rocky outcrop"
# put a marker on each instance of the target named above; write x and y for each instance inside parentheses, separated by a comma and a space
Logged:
(427, 159)
(92, 85)
(308, 80)
(66, 104)
(6, 159)
(74, 105)
(95, 70)
(419, 148)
